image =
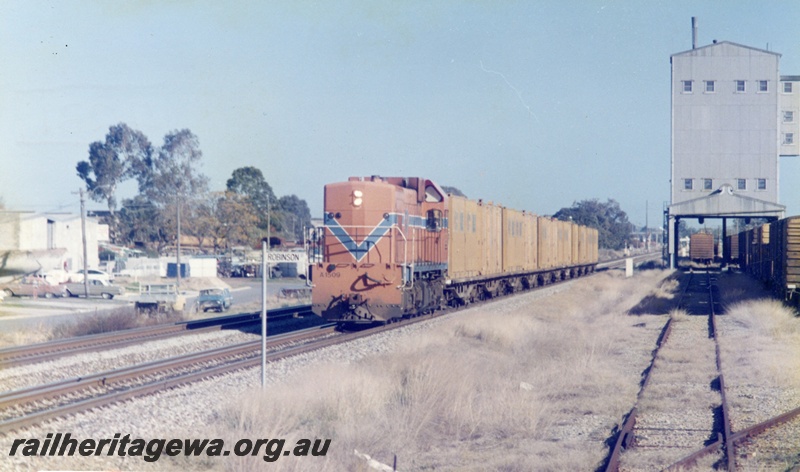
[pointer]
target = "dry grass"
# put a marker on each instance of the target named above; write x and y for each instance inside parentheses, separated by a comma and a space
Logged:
(86, 324)
(19, 337)
(538, 385)
(660, 300)
(117, 320)
(763, 342)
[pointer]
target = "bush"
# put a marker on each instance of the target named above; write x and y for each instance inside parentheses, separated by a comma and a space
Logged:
(116, 320)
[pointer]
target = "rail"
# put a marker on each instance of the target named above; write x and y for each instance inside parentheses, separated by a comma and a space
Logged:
(625, 436)
(40, 352)
(118, 386)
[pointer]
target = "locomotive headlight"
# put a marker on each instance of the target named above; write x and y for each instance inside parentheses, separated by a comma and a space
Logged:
(358, 198)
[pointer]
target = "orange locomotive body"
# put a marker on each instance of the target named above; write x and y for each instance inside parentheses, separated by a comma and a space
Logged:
(398, 247)
(384, 250)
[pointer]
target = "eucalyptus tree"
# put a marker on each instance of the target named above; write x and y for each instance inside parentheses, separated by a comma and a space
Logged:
(611, 221)
(112, 161)
(228, 219)
(249, 182)
(296, 215)
(173, 170)
(172, 181)
(140, 222)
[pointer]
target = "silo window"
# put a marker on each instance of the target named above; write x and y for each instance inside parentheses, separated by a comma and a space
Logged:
(741, 184)
(709, 86)
(708, 184)
(763, 85)
(740, 85)
(687, 86)
(762, 184)
(687, 184)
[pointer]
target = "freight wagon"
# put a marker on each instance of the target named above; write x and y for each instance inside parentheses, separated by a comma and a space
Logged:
(731, 249)
(771, 253)
(397, 247)
(701, 247)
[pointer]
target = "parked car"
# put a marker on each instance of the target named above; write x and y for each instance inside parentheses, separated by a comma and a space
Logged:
(97, 288)
(218, 299)
(56, 276)
(33, 287)
(94, 274)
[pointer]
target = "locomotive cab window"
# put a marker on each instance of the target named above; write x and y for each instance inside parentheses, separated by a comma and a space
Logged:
(432, 195)
(434, 221)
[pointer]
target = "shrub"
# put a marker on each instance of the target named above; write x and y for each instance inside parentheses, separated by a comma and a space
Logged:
(116, 320)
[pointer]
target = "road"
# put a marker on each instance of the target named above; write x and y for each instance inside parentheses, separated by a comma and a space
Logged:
(20, 313)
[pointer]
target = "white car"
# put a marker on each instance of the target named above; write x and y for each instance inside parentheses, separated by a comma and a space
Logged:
(94, 274)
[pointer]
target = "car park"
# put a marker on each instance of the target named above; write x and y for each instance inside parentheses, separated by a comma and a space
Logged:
(32, 287)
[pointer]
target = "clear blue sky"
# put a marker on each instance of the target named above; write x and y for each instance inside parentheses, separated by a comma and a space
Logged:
(534, 104)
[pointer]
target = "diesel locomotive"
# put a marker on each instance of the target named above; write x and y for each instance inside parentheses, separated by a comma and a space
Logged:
(397, 247)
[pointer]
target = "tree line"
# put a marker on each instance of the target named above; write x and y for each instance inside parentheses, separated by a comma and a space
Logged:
(170, 183)
(613, 228)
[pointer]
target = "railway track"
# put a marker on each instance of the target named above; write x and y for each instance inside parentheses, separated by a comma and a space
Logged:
(657, 426)
(723, 447)
(16, 356)
(30, 406)
(40, 352)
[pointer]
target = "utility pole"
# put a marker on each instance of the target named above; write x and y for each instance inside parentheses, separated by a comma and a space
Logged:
(83, 240)
(265, 244)
(178, 280)
(647, 225)
(264, 270)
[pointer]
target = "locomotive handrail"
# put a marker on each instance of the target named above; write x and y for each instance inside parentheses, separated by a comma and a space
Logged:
(405, 256)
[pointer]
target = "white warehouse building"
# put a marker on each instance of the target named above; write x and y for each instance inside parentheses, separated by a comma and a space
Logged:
(41, 242)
